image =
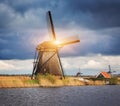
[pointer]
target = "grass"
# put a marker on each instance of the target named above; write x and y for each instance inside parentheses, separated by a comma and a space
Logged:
(31, 81)
(49, 80)
(113, 81)
(17, 81)
(65, 81)
(54, 81)
(109, 81)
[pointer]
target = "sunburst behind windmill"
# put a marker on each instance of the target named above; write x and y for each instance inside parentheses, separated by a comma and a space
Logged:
(47, 59)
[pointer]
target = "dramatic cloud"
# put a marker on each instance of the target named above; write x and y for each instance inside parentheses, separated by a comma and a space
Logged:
(95, 13)
(5, 66)
(23, 25)
(105, 42)
(16, 66)
(89, 65)
(91, 14)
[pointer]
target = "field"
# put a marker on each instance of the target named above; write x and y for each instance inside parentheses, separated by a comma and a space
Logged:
(17, 81)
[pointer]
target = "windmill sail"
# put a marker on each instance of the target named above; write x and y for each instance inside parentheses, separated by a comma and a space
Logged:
(51, 25)
(69, 40)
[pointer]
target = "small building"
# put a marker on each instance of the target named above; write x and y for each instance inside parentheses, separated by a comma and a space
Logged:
(103, 74)
(78, 74)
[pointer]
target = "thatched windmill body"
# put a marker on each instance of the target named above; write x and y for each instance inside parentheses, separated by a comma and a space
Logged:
(47, 59)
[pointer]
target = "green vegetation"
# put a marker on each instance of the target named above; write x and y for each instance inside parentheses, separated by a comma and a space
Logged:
(55, 81)
(50, 78)
(113, 81)
(98, 79)
(109, 81)
(31, 81)
(66, 81)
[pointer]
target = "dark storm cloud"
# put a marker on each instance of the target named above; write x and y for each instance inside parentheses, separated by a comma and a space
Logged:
(104, 42)
(22, 6)
(17, 16)
(14, 45)
(114, 43)
(94, 13)
(87, 13)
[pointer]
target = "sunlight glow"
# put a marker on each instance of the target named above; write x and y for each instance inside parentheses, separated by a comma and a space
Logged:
(57, 42)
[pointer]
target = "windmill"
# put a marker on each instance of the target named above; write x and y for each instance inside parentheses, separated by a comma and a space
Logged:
(110, 72)
(47, 59)
(79, 73)
(109, 69)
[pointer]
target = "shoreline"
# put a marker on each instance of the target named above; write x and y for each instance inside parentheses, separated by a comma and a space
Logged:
(49, 81)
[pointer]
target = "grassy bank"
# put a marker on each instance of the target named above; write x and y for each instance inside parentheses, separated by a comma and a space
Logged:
(17, 81)
(50, 81)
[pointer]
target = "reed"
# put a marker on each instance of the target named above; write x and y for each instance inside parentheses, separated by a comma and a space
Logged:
(49, 80)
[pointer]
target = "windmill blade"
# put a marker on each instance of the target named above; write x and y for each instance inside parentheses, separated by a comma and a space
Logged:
(69, 40)
(34, 65)
(36, 57)
(50, 25)
(60, 64)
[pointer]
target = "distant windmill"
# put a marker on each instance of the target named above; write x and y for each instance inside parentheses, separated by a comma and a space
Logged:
(47, 59)
(79, 73)
(110, 72)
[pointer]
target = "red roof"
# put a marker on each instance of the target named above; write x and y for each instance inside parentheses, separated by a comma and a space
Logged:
(105, 74)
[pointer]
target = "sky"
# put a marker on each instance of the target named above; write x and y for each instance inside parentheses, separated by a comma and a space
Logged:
(23, 26)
